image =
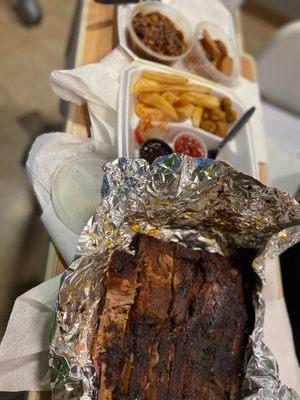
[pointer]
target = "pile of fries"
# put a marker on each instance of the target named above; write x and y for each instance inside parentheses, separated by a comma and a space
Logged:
(174, 96)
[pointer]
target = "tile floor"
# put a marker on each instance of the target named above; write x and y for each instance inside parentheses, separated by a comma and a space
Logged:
(27, 107)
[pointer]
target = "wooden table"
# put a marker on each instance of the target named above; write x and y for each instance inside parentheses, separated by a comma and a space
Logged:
(96, 38)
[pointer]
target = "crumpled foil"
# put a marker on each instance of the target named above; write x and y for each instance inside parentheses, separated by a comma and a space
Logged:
(197, 202)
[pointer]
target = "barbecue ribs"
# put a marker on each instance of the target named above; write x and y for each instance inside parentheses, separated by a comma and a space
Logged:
(174, 325)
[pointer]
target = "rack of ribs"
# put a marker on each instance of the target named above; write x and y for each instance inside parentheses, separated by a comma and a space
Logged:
(175, 324)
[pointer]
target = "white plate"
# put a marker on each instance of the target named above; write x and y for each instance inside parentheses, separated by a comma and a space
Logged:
(238, 153)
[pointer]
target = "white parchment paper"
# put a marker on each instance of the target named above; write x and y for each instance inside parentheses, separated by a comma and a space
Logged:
(47, 154)
(24, 348)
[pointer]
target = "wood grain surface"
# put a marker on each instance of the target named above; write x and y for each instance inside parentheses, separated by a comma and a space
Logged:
(97, 37)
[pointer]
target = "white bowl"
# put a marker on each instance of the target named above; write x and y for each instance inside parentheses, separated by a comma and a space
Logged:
(177, 18)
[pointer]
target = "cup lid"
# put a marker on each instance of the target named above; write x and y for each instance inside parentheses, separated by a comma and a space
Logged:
(75, 191)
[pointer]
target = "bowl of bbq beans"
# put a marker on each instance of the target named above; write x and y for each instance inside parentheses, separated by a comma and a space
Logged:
(158, 32)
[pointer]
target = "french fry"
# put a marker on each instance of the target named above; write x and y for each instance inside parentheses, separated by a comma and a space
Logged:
(164, 77)
(171, 97)
(181, 103)
(197, 116)
(188, 88)
(185, 111)
(201, 99)
(146, 85)
(157, 101)
(141, 110)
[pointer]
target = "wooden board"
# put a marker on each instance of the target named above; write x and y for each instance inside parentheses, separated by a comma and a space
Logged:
(97, 37)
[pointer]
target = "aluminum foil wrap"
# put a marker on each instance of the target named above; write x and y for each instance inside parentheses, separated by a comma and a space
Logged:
(198, 202)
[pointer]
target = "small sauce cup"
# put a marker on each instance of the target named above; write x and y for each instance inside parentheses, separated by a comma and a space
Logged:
(191, 142)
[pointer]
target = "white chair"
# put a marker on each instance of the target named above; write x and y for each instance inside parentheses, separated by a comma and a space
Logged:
(279, 79)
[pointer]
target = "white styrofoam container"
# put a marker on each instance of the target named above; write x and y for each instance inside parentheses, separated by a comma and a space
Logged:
(194, 11)
(238, 153)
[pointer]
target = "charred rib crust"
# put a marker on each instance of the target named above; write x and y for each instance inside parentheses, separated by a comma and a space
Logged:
(187, 328)
(109, 353)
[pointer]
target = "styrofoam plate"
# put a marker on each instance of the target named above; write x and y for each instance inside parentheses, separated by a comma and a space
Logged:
(238, 153)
